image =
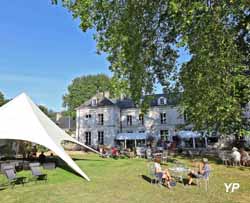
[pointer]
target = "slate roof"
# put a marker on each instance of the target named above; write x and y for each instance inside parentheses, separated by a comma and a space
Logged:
(104, 102)
(128, 103)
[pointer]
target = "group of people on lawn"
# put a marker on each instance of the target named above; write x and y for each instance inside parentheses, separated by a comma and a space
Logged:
(241, 157)
(164, 175)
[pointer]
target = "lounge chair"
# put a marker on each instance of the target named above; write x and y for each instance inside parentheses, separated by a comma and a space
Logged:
(164, 157)
(10, 173)
(36, 172)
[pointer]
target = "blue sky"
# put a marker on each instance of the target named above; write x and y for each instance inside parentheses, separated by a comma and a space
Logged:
(42, 49)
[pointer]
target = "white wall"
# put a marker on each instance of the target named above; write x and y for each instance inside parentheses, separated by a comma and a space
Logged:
(114, 118)
(110, 126)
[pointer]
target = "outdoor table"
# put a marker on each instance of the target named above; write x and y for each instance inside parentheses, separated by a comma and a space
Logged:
(180, 172)
(157, 155)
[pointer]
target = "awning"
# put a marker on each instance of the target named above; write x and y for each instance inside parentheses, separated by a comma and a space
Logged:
(131, 136)
(188, 134)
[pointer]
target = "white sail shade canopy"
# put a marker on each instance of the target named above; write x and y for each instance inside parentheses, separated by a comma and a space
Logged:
(21, 119)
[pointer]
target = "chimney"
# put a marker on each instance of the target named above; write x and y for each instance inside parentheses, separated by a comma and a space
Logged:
(106, 94)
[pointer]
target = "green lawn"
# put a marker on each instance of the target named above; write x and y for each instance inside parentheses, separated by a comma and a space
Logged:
(121, 181)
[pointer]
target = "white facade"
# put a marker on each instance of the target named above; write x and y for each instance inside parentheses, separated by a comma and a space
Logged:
(110, 126)
(161, 119)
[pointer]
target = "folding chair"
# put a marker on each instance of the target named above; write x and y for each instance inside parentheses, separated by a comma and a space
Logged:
(153, 177)
(10, 173)
(205, 179)
(224, 158)
(36, 172)
(164, 157)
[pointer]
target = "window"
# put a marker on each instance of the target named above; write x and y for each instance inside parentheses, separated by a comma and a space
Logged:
(88, 116)
(164, 134)
(100, 119)
(129, 120)
(88, 138)
(100, 137)
(162, 101)
(94, 102)
(141, 119)
(163, 118)
(129, 131)
(142, 131)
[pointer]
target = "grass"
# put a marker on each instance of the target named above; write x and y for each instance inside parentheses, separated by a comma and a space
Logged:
(120, 181)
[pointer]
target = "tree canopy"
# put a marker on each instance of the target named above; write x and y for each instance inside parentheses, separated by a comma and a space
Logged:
(83, 88)
(142, 39)
(51, 114)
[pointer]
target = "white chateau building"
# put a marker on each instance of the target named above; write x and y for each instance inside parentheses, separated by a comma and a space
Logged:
(104, 121)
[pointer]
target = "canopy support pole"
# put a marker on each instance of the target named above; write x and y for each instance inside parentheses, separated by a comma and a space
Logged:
(206, 142)
(193, 142)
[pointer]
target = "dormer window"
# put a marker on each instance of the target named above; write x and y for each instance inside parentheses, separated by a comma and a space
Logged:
(162, 101)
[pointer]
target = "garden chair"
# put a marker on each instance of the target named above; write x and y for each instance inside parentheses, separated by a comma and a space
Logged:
(190, 154)
(36, 172)
(10, 173)
(164, 157)
(153, 177)
(140, 152)
(149, 154)
(205, 179)
(224, 158)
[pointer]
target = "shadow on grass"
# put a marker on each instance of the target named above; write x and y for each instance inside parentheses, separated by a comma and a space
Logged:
(82, 159)
(3, 187)
(65, 167)
(148, 179)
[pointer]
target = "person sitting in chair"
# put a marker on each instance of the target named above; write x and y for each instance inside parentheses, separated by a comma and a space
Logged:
(203, 172)
(162, 174)
(244, 157)
(235, 156)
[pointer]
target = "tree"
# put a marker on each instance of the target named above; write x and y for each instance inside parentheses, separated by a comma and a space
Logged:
(214, 95)
(83, 88)
(142, 38)
(138, 38)
(2, 100)
(51, 114)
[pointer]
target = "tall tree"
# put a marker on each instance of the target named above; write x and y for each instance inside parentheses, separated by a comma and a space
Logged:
(138, 37)
(141, 38)
(83, 88)
(216, 88)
